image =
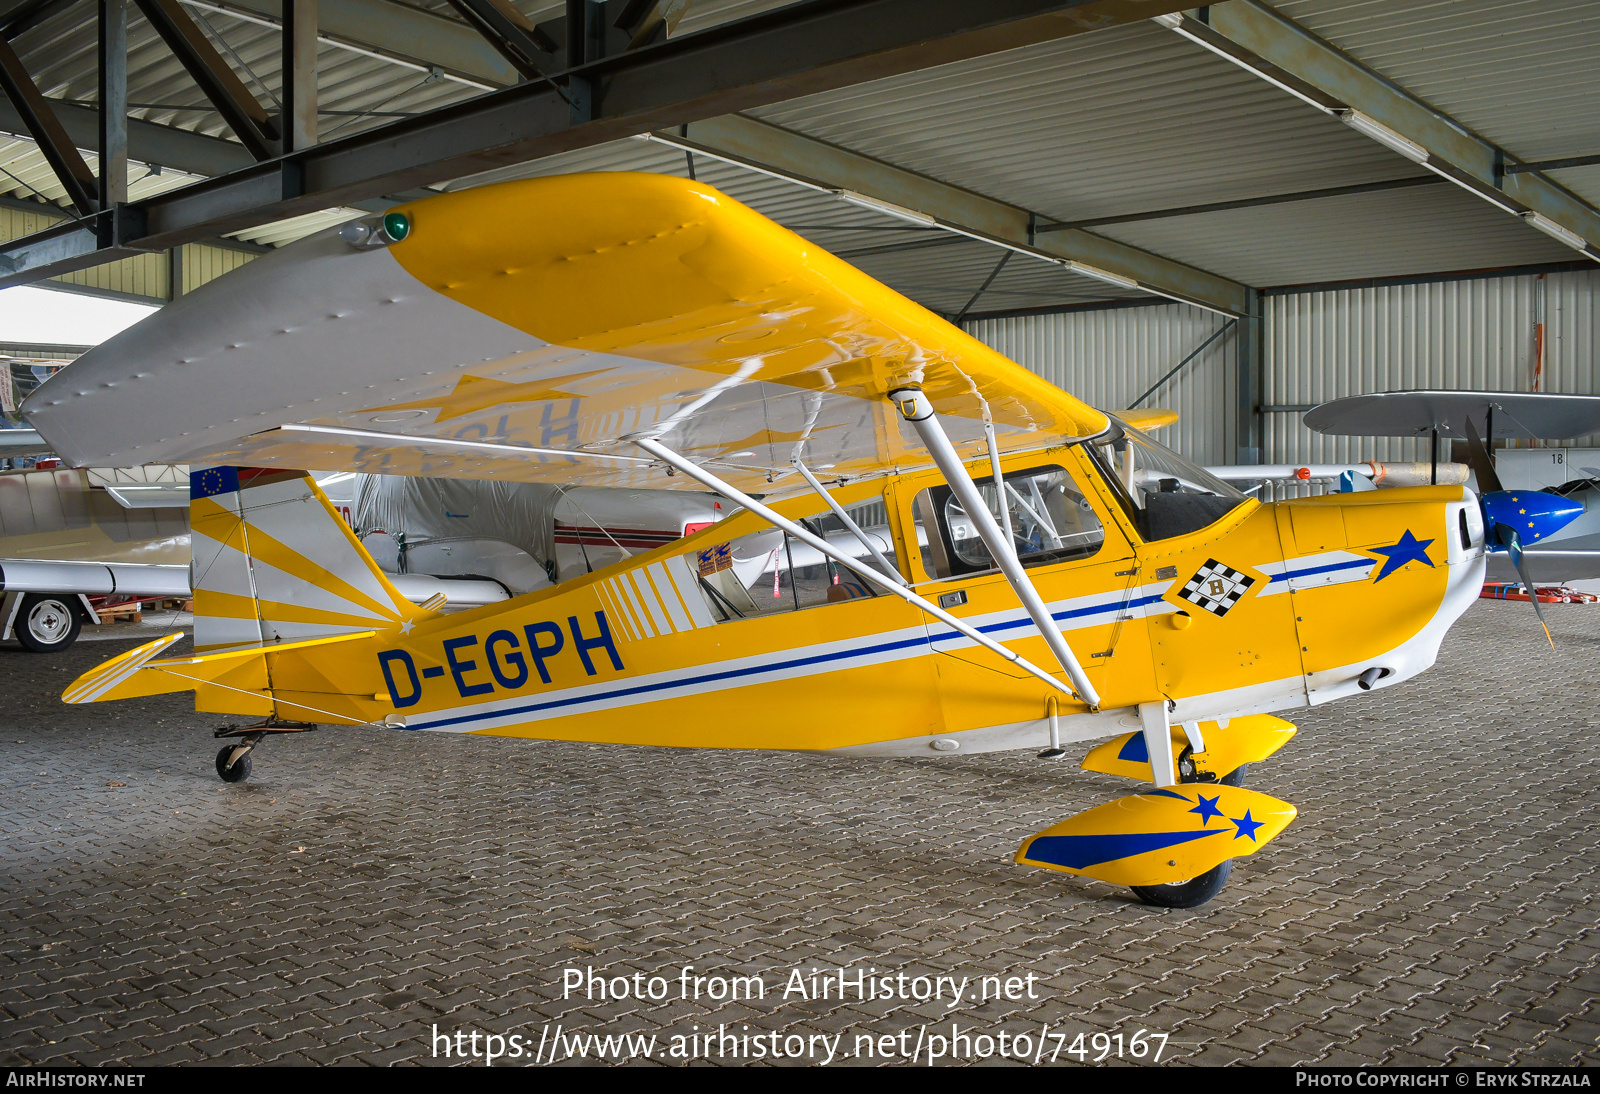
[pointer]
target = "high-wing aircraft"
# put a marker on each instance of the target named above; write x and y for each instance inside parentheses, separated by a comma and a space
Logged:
(972, 560)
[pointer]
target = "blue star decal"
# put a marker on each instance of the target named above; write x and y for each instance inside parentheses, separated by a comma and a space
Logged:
(1246, 827)
(1409, 549)
(1207, 808)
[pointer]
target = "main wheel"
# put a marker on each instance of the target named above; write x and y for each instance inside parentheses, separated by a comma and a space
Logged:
(47, 622)
(1186, 894)
(1236, 776)
(239, 772)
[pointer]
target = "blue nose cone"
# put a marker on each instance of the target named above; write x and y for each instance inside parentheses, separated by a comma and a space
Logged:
(1533, 514)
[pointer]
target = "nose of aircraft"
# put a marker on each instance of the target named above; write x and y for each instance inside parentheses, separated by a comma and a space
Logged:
(1532, 515)
(1515, 518)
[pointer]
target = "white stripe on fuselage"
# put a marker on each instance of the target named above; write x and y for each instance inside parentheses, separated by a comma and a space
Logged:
(1074, 614)
(1077, 613)
(1312, 571)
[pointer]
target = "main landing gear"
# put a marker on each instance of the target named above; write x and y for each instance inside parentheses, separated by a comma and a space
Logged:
(1186, 894)
(233, 762)
(1197, 890)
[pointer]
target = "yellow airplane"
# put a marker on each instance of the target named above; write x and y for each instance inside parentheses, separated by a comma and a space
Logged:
(930, 552)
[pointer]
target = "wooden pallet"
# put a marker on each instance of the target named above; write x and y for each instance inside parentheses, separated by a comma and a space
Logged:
(131, 612)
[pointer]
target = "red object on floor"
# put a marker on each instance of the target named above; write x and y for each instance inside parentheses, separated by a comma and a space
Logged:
(1548, 594)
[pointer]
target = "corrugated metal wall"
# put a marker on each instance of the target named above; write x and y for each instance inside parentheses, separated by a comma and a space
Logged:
(144, 276)
(1466, 335)
(1108, 358)
(1469, 335)
(202, 263)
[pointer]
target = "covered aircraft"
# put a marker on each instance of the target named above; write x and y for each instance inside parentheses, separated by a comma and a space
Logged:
(1053, 575)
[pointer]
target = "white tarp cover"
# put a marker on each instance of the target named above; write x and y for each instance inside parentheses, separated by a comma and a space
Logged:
(418, 511)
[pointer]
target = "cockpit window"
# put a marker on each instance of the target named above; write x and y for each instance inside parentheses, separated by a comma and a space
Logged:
(1166, 494)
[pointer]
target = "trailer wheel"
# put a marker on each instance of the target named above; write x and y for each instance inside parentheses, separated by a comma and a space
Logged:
(48, 622)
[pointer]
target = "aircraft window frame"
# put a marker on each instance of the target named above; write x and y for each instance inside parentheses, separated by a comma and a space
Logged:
(942, 559)
(1100, 452)
(732, 603)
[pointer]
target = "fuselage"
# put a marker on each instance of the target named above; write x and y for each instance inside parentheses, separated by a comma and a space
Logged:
(1266, 607)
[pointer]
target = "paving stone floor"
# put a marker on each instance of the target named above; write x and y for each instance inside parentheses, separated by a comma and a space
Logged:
(1435, 902)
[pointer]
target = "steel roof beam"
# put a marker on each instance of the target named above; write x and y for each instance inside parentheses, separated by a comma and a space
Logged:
(113, 112)
(27, 14)
(799, 49)
(1553, 165)
(38, 117)
(247, 118)
(646, 20)
(194, 153)
(1280, 50)
(165, 145)
(511, 34)
(369, 23)
(1250, 203)
(774, 150)
(398, 32)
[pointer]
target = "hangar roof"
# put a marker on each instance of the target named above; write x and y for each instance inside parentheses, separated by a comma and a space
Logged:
(1135, 134)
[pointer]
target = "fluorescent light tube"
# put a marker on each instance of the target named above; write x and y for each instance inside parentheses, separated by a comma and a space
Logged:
(1556, 231)
(1473, 188)
(1385, 136)
(888, 208)
(1100, 275)
(1175, 22)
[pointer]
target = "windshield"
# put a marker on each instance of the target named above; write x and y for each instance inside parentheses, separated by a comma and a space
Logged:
(1167, 494)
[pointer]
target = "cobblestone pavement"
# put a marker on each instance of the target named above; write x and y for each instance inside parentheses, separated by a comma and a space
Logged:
(1436, 901)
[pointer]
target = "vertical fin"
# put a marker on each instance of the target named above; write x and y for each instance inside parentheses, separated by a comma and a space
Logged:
(275, 562)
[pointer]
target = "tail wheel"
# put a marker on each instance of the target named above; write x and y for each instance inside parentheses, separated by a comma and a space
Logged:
(239, 772)
(1186, 894)
(47, 622)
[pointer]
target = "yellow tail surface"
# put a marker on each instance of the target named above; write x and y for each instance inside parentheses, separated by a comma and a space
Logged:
(276, 572)
(135, 674)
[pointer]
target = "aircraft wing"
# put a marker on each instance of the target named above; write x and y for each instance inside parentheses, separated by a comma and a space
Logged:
(522, 330)
(1514, 414)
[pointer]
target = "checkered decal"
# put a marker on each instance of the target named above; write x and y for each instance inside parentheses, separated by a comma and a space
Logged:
(1216, 587)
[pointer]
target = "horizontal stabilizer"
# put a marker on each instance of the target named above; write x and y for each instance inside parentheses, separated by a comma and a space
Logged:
(1242, 741)
(134, 674)
(1161, 836)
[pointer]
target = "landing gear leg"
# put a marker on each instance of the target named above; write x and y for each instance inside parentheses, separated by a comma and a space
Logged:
(1197, 890)
(233, 762)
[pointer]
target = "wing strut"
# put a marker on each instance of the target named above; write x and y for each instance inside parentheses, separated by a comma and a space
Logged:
(916, 409)
(889, 584)
(855, 529)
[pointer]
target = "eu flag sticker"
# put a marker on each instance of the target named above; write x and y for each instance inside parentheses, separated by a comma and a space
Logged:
(213, 480)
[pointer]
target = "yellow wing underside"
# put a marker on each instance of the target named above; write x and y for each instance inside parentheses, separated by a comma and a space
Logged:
(561, 314)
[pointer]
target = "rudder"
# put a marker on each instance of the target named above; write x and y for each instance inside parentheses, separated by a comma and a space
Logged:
(273, 562)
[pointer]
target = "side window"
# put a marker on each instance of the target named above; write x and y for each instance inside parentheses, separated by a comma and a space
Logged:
(770, 572)
(1051, 521)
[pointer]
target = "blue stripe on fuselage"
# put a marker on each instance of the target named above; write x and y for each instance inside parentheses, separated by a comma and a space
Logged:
(1328, 569)
(775, 666)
